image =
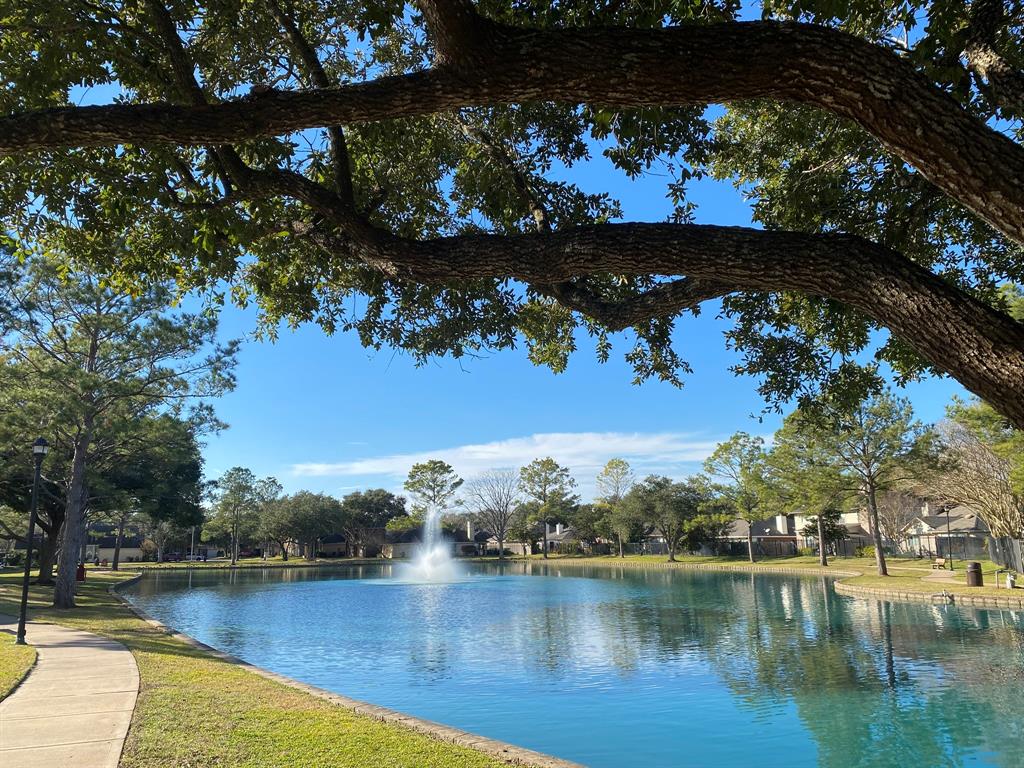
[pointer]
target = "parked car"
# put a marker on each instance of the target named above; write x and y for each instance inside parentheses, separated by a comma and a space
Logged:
(173, 557)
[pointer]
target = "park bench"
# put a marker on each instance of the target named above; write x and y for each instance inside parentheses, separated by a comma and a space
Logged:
(940, 562)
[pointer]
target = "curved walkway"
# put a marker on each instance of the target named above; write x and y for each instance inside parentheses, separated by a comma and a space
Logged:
(74, 707)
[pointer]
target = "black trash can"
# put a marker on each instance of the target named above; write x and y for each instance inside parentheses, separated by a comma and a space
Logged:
(974, 575)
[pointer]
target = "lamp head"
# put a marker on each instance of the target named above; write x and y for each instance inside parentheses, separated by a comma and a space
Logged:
(40, 448)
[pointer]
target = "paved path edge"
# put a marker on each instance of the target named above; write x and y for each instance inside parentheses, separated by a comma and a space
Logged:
(115, 741)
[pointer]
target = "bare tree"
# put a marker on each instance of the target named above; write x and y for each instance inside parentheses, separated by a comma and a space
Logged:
(896, 509)
(973, 475)
(494, 499)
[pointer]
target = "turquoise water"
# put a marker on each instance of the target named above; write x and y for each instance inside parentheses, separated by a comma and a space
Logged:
(650, 668)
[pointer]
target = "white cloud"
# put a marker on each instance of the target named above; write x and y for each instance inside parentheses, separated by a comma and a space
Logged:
(669, 453)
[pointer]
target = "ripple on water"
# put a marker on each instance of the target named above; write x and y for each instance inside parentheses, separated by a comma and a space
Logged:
(621, 668)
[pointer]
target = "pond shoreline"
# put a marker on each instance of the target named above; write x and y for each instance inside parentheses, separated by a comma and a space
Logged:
(509, 753)
(843, 587)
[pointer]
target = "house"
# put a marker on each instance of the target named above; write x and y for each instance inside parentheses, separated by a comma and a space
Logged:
(102, 542)
(334, 545)
(775, 536)
(511, 547)
(958, 531)
(560, 538)
(465, 541)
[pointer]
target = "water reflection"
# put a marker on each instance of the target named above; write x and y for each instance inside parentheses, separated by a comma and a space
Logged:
(618, 667)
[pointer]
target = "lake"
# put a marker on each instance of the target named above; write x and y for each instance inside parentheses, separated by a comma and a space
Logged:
(616, 667)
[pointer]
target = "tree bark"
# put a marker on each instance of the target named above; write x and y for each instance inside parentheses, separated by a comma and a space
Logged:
(47, 551)
(750, 541)
(74, 523)
(234, 538)
(876, 533)
(85, 537)
(822, 555)
(117, 542)
(501, 549)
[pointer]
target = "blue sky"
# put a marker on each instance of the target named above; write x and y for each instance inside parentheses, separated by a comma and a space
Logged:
(322, 413)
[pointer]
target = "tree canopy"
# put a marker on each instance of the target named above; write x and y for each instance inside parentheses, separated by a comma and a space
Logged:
(739, 463)
(433, 485)
(307, 153)
(87, 363)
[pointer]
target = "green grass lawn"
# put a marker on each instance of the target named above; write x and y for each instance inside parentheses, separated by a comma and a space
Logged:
(196, 711)
(15, 661)
(905, 574)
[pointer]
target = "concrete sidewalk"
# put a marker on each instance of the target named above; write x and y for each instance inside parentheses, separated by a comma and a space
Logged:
(74, 707)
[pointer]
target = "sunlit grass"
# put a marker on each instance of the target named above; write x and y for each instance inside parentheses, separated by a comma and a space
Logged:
(906, 574)
(15, 661)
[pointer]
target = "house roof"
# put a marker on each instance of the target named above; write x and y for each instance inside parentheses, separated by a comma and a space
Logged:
(416, 534)
(567, 534)
(109, 542)
(856, 529)
(960, 519)
(760, 529)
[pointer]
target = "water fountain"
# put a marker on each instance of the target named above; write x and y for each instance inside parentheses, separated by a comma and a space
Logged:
(433, 562)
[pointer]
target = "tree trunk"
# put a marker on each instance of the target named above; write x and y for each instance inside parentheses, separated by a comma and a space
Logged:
(621, 552)
(74, 524)
(284, 551)
(876, 533)
(85, 540)
(671, 550)
(544, 526)
(47, 550)
(822, 557)
(118, 540)
(501, 549)
(750, 541)
(234, 542)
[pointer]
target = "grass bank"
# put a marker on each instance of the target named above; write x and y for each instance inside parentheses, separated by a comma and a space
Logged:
(198, 711)
(905, 574)
(248, 562)
(15, 662)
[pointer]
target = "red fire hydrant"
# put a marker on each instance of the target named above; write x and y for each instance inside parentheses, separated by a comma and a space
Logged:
(80, 573)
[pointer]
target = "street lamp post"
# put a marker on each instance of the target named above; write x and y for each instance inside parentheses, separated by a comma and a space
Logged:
(39, 450)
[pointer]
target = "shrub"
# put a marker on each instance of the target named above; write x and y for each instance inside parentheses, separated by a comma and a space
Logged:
(866, 551)
(14, 559)
(806, 551)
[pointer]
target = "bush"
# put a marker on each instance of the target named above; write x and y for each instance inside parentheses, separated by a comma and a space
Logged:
(867, 551)
(806, 551)
(14, 559)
